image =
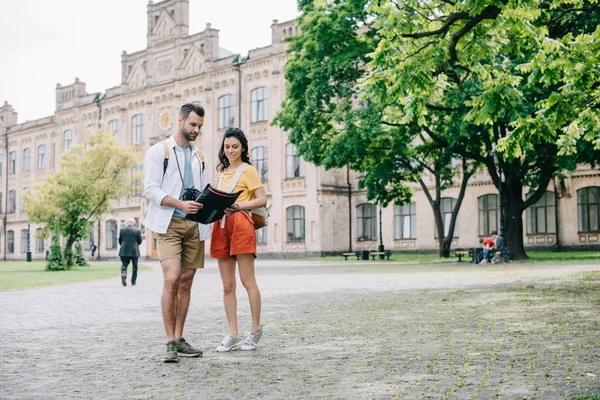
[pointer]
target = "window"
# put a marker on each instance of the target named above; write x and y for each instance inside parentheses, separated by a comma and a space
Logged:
(226, 111)
(138, 129)
(42, 156)
(12, 201)
(259, 104)
(111, 234)
(12, 164)
(26, 160)
(90, 128)
(367, 222)
(10, 245)
(67, 139)
(448, 204)
(541, 216)
(588, 209)
(137, 174)
(260, 160)
(39, 241)
(405, 222)
(24, 240)
(262, 236)
(295, 224)
(488, 214)
(113, 127)
(294, 167)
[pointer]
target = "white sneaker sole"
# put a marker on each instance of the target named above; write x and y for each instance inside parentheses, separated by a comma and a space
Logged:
(222, 349)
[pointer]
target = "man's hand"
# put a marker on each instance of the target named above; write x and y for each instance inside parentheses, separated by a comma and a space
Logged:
(190, 206)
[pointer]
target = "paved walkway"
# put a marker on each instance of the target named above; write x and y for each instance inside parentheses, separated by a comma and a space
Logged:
(336, 329)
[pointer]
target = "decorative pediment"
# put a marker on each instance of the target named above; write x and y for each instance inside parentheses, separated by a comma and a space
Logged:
(137, 77)
(165, 26)
(193, 63)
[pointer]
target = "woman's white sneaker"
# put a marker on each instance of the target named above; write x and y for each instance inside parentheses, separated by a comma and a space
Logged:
(251, 340)
(230, 343)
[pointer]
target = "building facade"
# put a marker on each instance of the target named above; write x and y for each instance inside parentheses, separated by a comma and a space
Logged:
(313, 211)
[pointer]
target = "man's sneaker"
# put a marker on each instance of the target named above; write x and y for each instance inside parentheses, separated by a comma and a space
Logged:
(251, 340)
(124, 279)
(230, 343)
(184, 349)
(170, 355)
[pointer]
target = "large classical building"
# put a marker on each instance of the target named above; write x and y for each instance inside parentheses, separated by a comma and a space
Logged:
(313, 211)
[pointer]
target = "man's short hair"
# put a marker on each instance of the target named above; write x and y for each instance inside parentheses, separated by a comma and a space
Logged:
(186, 109)
(131, 221)
(494, 233)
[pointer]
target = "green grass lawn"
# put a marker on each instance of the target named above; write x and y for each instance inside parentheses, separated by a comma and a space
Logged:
(21, 274)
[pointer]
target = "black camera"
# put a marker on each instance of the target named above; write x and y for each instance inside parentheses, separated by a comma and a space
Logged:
(190, 194)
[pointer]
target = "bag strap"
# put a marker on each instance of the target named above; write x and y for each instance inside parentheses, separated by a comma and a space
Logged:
(168, 155)
(234, 180)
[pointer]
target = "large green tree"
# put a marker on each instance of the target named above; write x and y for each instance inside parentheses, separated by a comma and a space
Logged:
(333, 125)
(88, 177)
(514, 78)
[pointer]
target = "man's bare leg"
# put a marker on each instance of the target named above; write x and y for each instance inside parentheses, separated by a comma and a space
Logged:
(183, 299)
(169, 300)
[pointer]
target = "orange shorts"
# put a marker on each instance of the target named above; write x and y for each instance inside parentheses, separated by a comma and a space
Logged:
(238, 237)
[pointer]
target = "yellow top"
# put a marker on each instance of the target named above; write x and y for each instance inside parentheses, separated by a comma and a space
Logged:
(248, 182)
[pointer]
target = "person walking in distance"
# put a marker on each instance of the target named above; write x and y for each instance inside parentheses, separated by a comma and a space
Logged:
(180, 240)
(130, 239)
(233, 240)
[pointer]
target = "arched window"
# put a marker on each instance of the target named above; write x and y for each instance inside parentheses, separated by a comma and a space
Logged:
(260, 160)
(226, 111)
(12, 163)
(294, 167)
(405, 222)
(24, 240)
(10, 241)
(137, 133)
(259, 103)
(488, 214)
(39, 241)
(366, 221)
(541, 216)
(26, 160)
(588, 209)
(67, 139)
(111, 234)
(42, 156)
(113, 127)
(12, 201)
(295, 224)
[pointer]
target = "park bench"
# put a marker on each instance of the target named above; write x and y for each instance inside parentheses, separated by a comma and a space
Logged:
(460, 253)
(386, 253)
(346, 255)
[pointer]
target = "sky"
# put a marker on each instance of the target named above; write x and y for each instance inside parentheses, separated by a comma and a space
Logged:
(45, 42)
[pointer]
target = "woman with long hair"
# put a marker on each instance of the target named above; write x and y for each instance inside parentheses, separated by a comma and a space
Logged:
(234, 239)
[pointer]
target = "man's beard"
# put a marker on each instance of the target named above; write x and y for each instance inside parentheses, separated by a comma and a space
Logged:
(187, 135)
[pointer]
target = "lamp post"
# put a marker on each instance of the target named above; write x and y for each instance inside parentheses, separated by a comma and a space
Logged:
(28, 244)
(380, 248)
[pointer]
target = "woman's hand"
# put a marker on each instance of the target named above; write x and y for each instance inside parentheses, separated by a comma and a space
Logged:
(232, 210)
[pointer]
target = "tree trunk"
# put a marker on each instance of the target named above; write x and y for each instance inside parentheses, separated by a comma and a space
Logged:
(514, 206)
(69, 251)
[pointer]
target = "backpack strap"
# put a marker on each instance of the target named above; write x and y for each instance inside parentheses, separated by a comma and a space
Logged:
(236, 177)
(168, 154)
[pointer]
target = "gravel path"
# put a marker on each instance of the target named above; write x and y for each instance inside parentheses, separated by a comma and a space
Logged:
(348, 329)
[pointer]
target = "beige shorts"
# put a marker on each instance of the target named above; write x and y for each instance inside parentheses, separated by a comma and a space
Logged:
(182, 242)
